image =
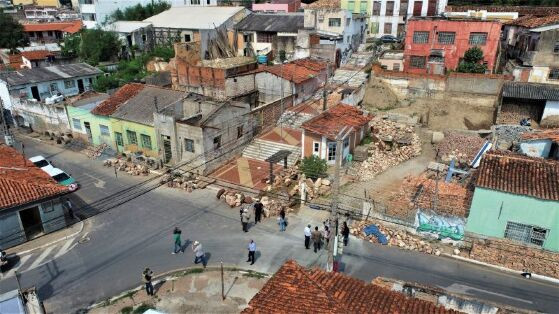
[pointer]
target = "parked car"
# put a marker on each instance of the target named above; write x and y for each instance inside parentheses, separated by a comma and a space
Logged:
(63, 178)
(41, 162)
(389, 39)
(54, 99)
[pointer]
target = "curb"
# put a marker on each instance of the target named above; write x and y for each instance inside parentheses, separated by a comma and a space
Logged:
(55, 241)
(501, 268)
(165, 276)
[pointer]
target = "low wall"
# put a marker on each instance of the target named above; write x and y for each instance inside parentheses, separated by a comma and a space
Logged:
(516, 256)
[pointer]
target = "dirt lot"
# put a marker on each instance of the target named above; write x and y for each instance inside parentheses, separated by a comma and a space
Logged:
(449, 111)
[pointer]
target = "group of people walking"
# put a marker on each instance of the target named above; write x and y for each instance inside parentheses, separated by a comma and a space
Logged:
(319, 237)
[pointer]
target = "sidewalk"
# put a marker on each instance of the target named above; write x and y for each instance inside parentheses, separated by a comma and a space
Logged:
(48, 239)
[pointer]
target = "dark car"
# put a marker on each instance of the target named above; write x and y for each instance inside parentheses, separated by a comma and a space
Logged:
(388, 39)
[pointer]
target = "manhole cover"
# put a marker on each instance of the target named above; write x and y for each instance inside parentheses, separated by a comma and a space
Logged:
(84, 240)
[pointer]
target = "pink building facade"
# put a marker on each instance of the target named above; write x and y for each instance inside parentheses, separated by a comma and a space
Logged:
(277, 6)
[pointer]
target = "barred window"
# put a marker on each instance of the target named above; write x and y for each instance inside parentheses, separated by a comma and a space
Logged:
(525, 233)
(104, 130)
(446, 38)
(556, 47)
(417, 62)
(403, 8)
(146, 141)
(77, 124)
(265, 37)
(478, 39)
(420, 37)
(132, 139)
(334, 22)
(376, 8)
(189, 145)
(553, 74)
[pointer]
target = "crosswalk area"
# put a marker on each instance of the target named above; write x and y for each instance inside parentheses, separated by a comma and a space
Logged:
(32, 260)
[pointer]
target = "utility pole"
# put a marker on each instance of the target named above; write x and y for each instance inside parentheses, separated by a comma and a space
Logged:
(332, 246)
(325, 91)
(281, 100)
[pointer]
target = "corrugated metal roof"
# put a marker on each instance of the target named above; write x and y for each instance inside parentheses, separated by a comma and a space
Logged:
(264, 22)
(141, 107)
(52, 73)
(531, 91)
(192, 17)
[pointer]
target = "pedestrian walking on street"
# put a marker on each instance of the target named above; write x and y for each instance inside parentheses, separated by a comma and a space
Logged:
(70, 209)
(345, 233)
(307, 237)
(316, 237)
(282, 222)
(178, 242)
(326, 234)
(199, 254)
(258, 209)
(146, 278)
(245, 219)
(251, 252)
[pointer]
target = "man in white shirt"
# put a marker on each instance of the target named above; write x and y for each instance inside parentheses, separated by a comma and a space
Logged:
(308, 237)
(251, 251)
(199, 255)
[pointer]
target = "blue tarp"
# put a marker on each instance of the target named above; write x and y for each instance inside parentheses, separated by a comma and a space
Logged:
(373, 229)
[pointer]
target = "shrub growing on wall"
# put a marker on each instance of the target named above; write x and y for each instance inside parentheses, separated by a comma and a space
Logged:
(314, 167)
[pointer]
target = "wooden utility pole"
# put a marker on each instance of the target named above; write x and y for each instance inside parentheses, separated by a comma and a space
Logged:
(325, 89)
(334, 206)
(222, 283)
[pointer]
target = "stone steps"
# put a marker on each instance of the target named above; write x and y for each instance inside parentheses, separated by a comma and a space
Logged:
(261, 149)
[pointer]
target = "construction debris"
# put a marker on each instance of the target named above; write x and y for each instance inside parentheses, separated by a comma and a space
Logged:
(506, 135)
(127, 166)
(187, 181)
(459, 146)
(272, 207)
(392, 144)
(95, 152)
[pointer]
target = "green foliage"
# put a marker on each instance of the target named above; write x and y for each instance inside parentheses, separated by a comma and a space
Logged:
(282, 56)
(71, 45)
(12, 35)
(142, 308)
(314, 167)
(98, 45)
(126, 310)
(473, 62)
(140, 12)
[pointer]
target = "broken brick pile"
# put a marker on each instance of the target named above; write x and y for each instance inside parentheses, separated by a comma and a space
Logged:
(514, 113)
(127, 166)
(419, 192)
(272, 207)
(460, 147)
(516, 256)
(393, 143)
(187, 181)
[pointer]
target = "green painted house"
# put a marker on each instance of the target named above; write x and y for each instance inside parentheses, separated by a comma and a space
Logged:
(357, 6)
(130, 112)
(92, 128)
(517, 197)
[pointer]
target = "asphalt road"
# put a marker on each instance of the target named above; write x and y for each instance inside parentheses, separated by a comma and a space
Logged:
(127, 238)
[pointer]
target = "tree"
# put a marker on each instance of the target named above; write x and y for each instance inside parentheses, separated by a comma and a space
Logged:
(71, 45)
(98, 45)
(12, 35)
(140, 12)
(314, 167)
(473, 61)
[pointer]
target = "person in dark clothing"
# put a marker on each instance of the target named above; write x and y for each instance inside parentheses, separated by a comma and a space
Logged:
(251, 252)
(307, 233)
(258, 209)
(345, 233)
(282, 222)
(146, 278)
(316, 237)
(178, 242)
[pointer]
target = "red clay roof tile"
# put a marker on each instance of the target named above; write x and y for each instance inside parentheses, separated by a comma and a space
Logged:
(519, 174)
(297, 71)
(331, 122)
(530, 21)
(21, 182)
(36, 54)
(111, 104)
(67, 27)
(294, 289)
(551, 134)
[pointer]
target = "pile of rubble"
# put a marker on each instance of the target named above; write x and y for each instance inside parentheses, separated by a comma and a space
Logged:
(460, 147)
(506, 135)
(401, 239)
(129, 167)
(315, 189)
(187, 181)
(96, 151)
(272, 207)
(393, 143)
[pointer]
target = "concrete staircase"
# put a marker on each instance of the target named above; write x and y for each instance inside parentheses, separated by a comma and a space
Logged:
(261, 149)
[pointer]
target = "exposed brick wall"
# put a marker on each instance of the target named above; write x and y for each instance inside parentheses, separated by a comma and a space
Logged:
(269, 114)
(516, 256)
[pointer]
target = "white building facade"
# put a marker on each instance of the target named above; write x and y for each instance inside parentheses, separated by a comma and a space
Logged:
(96, 12)
(203, 3)
(388, 17)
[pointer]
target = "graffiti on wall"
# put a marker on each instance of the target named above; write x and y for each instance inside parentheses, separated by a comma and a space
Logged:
(442, 226)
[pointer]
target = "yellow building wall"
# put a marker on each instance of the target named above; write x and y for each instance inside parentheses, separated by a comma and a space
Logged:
(41, 3)
(122, 126)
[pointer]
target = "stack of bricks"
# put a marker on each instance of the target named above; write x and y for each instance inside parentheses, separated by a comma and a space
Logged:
(516, 256)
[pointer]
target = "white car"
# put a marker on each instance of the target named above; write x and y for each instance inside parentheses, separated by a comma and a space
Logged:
(62, 178)
(54, 99)
(41, 162)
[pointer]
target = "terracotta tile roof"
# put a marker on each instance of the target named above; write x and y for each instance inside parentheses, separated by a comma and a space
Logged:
(331, 122)
(530, 21)
(297, 71)
(551, 134)
(518, 174)
(21, 182)
(123, 94)
(36, 54)
(67, 27)
(294, 289)
(325, 4)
